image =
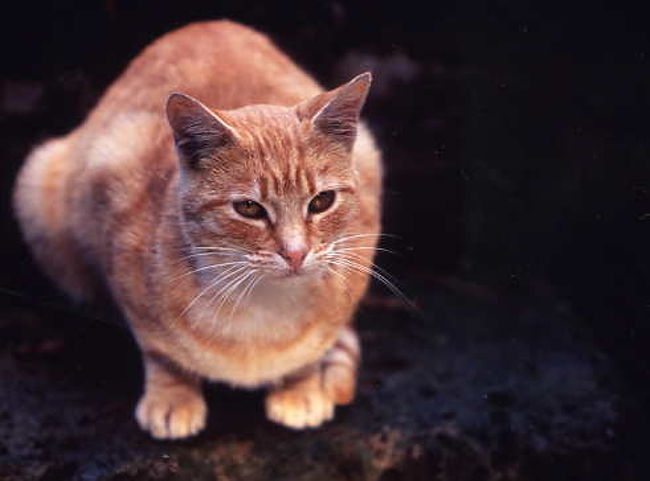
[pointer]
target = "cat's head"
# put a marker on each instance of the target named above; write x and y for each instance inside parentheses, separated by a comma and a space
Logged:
(270, 186)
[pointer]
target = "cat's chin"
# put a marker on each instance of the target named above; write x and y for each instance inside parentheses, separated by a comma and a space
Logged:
(289, 276)
(299, 275)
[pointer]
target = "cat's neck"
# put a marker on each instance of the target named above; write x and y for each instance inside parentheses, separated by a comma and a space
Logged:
(273, 311)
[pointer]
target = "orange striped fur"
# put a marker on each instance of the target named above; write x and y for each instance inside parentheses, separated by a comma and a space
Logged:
(145, 199)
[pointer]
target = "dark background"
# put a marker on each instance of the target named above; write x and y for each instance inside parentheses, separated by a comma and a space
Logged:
(515, 138)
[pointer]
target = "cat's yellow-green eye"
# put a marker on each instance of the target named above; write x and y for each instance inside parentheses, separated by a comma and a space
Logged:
(322, 201)
(249, 209)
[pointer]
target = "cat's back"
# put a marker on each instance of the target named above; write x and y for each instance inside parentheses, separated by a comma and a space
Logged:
(224, 64)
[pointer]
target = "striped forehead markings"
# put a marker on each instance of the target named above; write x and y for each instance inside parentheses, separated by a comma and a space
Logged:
(282, 158)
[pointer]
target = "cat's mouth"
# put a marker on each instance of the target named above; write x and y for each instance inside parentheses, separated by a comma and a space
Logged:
(290, 273)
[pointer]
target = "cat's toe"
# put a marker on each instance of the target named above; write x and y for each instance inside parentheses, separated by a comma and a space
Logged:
(172, 415)
(299, 409)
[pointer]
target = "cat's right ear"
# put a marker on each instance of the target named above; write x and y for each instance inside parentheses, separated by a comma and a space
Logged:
(198, 132)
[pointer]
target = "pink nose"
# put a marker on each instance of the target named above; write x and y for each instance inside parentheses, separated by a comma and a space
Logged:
(294, 257)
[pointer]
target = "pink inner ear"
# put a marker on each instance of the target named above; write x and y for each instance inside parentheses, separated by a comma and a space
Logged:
(198, 132)
(336, 113)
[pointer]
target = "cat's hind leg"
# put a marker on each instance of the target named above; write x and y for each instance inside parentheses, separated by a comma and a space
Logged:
(308, 399)
(172, 406)
(40, 205)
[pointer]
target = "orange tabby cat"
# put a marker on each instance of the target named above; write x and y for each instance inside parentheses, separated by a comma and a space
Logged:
(235, 232)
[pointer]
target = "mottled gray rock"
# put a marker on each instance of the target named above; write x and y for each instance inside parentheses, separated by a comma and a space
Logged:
(466, 389)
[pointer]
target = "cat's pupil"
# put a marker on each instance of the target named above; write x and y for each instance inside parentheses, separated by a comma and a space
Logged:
(321, 202)
(249, 209)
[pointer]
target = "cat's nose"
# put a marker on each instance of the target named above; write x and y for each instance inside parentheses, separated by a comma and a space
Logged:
(294, 257)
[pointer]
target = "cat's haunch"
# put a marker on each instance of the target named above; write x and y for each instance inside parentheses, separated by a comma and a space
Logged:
(231, 207)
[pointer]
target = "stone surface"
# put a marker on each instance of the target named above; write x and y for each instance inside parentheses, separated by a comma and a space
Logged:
(464, 389)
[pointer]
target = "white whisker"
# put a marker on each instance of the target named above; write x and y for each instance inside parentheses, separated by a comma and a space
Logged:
(233, 270)
(243, 293)
(200, 254)
(225, 292)
(364, 248)
(351, 256)
(357, 236)
(223, 249)
(211, 266)
(352, 265)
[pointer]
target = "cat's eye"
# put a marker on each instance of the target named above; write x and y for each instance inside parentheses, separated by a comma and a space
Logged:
(249, 209)
(321, 202)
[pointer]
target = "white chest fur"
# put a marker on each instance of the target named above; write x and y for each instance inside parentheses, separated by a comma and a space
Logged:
(266, 335)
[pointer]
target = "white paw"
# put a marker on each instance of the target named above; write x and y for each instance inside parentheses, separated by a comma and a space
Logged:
(299, 407)
(172, 414)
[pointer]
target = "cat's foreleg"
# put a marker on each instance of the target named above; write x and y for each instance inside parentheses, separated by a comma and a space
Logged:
(308, 398)
(172, 405)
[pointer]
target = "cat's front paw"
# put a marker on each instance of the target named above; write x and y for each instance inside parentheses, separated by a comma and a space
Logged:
(301, 405)
(172, 413)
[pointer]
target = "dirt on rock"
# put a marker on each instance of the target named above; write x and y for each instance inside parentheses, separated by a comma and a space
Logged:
(463, 389)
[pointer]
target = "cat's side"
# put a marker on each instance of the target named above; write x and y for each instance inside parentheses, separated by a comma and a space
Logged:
(235, 233)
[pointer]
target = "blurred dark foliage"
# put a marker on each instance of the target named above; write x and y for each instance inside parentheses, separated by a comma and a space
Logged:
(515, 136)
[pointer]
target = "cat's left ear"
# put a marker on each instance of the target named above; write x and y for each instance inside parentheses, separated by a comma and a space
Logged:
(336, 113)
(198, 132)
